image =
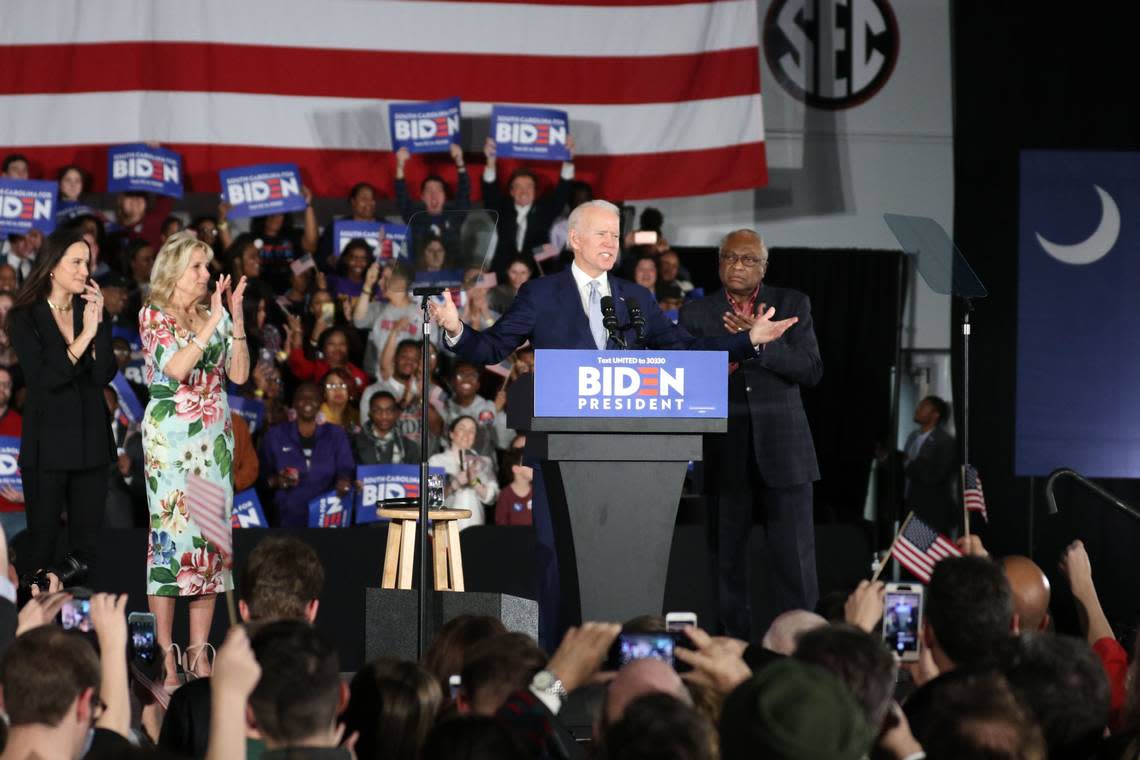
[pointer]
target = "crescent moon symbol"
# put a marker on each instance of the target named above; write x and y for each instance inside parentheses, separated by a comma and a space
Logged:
(1097, 245)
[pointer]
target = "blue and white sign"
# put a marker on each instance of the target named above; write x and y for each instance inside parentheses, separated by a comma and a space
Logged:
(141, 168)
(347, 230)
(441, 278)
(330, 511)
(27, 204)
(9, 462)
(394, 242)
(425, 127)
(262, 190)
(129, 403)
(252, 410)
(247, 510)
(537, 133)
(380, 482)
(630, 383)
(1079, 231)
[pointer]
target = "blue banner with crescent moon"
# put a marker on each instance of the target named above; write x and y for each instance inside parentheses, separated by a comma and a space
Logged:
(1078, 349)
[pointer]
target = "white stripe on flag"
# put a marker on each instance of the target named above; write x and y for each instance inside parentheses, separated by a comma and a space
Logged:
(207, 504)
(350, 123)
(521, 29)
(914, 555)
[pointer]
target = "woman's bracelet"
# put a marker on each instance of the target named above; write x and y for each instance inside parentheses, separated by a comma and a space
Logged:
(237, 337)
(73, 356)
(197, 343)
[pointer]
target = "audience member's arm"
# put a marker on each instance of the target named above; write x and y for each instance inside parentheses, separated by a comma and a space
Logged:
(491, 195)
(109, 618)
(717, 663)
(972, 546)
(361, 303)
(463, 183)
(311, 236)
(388, 355)
(42, 608)
(864, 608)
(1077, 568)
(235, 675)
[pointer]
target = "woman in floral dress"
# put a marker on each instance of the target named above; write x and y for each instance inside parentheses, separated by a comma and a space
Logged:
(189, 352)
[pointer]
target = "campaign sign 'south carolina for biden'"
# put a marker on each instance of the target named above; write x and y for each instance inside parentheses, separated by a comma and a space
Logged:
(141, 168)
(330, 511)
(425, 127)
(630, 383)
(538, 133)
(27, 204)
(247, 511)
(252, 410)
(9, 462)
(380, 482)
(262, 190)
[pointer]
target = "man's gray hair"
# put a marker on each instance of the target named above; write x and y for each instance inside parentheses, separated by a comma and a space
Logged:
(576, 214)
(744, 231)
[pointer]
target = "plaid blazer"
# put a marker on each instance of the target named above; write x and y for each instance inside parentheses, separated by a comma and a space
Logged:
(785, 453)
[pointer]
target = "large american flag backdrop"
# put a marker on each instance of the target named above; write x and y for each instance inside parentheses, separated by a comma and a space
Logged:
(663, 97)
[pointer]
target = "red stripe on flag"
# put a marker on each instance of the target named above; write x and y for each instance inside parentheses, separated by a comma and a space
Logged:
(333, 172)
(913, 559)
(206, 503)
(413, 76)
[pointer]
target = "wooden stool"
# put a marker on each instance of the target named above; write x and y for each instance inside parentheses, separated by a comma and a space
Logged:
(447, 558)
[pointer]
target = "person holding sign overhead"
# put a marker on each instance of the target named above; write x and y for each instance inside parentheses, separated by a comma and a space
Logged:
(564, 310)
(190, 352)
(430, 216)
(64, 347)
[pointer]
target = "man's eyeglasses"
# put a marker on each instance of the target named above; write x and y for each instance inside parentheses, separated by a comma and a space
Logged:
(747, 261)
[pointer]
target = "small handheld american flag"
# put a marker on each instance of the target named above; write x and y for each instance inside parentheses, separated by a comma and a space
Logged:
(972, 494)
(206, 502)
(919, 548)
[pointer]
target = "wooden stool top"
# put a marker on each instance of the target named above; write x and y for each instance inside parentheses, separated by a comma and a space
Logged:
(433, 514)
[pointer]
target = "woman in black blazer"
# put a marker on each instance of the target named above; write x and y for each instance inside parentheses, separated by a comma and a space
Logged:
(64, 347)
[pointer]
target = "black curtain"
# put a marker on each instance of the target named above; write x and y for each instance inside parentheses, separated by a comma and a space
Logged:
(1048, 77)
(854, 309)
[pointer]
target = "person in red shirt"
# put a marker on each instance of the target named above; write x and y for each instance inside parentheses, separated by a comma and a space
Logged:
(12, 515)
(514, 504)
(333, 354)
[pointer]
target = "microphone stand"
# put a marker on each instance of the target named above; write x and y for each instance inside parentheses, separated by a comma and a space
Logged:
(423, 624)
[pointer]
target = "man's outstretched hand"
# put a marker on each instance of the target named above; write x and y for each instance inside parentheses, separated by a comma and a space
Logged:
(764, 330)
(446, 315)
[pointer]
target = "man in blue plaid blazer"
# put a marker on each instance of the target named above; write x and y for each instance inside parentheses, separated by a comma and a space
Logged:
(767, 452)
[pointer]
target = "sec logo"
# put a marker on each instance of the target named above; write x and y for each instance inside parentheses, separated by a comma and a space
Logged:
(831, 54)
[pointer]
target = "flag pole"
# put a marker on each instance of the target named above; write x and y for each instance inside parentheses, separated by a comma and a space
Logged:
(965, 509)
(231, 610)
(891, 551)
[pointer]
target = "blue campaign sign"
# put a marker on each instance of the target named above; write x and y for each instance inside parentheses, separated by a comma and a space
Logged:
(442, 278)
(347, 230)
(9, 462)
(394, 242)
(380, 482)
(425, 127)
(247, 512)
(27, 204)
(539, 133)
(1078, 237)
(129, 403)
(252, 410)
(630, 383)
(263, 189)
(330, 511)
(141, 168)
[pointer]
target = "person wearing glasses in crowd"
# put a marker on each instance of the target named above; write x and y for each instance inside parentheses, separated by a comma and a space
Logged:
(190, 351)
(767, 452)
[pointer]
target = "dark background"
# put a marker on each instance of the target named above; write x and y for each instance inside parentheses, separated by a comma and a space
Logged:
(1048, 77)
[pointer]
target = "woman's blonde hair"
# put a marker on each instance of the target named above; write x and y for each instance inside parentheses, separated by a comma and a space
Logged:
(170, 263)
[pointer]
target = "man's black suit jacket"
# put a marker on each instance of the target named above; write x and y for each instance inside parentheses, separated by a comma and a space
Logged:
(540, 218)
(931, 477)
(785, 453)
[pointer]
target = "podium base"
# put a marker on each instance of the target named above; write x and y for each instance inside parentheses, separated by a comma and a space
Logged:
(390, 617)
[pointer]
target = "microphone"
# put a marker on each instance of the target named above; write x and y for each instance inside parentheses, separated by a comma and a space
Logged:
(610, 320)
(636, 318)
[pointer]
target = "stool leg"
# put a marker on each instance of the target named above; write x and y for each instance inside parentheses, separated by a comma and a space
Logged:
(391, 554)
(454, 556)
(407, 552)
(439, 554)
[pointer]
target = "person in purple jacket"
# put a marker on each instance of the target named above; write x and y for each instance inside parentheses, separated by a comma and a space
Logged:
(303, 459)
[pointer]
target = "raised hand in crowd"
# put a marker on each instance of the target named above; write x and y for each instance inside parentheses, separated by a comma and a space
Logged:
(402, 157)
(489, 153)
(43, 606)
(294, 332)
(1077, 568)
(864, 607)
(972, 546)
(234, 678)
(225, 239)
(580, 655)
(717, 662)
(109, 619)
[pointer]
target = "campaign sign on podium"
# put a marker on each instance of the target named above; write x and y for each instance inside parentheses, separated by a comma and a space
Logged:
(670, 384)
(381, 482)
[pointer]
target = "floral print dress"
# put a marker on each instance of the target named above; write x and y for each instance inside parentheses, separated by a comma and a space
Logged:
(186, 430)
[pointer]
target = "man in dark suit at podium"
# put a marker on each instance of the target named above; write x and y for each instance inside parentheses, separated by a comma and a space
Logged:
(563, 310)
(767, 451)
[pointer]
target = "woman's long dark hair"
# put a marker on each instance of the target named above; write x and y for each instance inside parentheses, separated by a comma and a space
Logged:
(38, 283)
